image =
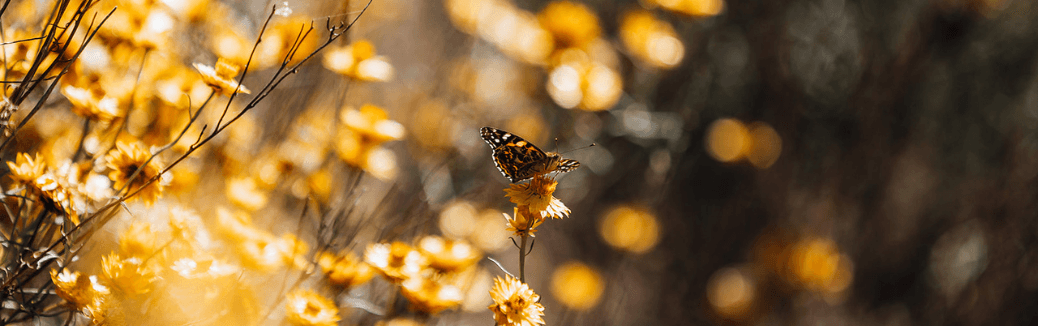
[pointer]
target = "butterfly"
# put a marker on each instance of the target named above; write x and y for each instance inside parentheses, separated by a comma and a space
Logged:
(519, 160)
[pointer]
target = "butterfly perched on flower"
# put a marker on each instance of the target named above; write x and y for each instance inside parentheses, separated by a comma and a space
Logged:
(519, 160)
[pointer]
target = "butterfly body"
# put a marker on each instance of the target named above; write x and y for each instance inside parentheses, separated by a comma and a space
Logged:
(519, 160)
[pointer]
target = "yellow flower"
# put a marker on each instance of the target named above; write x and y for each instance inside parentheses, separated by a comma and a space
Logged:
(448, 255)
(221, 78)
(307, 308)
(538, 196)
(138, 240)
(358, 61)
(345, 269)
(127, 276)
(26, 169)
(86, 104)
(396, 261)
(358, 143)
(245, 193)
(430, 296)
(572, 24)
(55, 197)
(521, 223)
(124, 161)
(78, 290)
(515, 304)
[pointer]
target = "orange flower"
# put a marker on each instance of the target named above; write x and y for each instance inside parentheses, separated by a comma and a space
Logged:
(515, 304)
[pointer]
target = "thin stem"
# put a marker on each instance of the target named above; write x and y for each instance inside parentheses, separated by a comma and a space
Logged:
(522, 258)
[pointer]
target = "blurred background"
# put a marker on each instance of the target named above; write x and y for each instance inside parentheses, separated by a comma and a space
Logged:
(757, 162)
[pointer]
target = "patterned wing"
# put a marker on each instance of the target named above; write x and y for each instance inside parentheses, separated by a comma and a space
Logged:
(514, 156)
(566, 165)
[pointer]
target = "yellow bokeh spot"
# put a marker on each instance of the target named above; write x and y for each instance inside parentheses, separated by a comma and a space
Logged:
(816, 264)
(577, 285)
(458, 220)
(765, 147)
(731, 293)
(727, 140)
(630, 229)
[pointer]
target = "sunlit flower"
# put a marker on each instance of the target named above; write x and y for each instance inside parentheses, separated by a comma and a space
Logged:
(307, 308)
(345, 269)
(221, 78)
(521, 222)
(125, 160)
(127, 276)
(206, 268)
(572, 24)
(396, 261)
(538, 196)
(55, 197)
(138, 240)
(358, 61)
(358, 143)
(430, 296)
(78, 290)
(515, 304)
(87, 104)
(448, 255)
(26, 169)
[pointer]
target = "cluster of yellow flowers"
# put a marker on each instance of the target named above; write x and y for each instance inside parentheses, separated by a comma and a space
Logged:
(432, 275)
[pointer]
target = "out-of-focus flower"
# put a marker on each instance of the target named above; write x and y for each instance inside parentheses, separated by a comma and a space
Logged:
(396, 261)
(732, 293)
(26, 169)
(571, 24)
(430, 296)
(577, 285)
(358, 143)
(203, 269)
(78, 290)
(816, 264)
(651, 40)
(124, 161)
(630, 228)
(580, 82)
(515, 304)
(244, 193)
(86, 104)
(221, 78)
(697, 8)
(538, 196)
(448, 255)
(307, 308)
(358, 61)
(523, 222)
(126, 276)
(345, 269)
(138, 240)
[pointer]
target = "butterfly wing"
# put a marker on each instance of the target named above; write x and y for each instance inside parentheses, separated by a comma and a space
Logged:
(514, 156)
(566, 165)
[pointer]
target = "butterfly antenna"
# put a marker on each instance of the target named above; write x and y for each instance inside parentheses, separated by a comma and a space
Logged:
(556, 144)
(592, 145)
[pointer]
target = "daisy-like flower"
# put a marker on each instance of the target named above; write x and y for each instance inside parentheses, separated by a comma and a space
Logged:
(78, 290)
(515, 304)
(221, 78)
(345, 269)
(86, 104)
(430, 296)
(358, 61)
(537, 195)
(396, 261)
(55, 197)
(124, 161)
(522, 222)
(448, 255)
(26, 169)
(307, 308)
(127, 276)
